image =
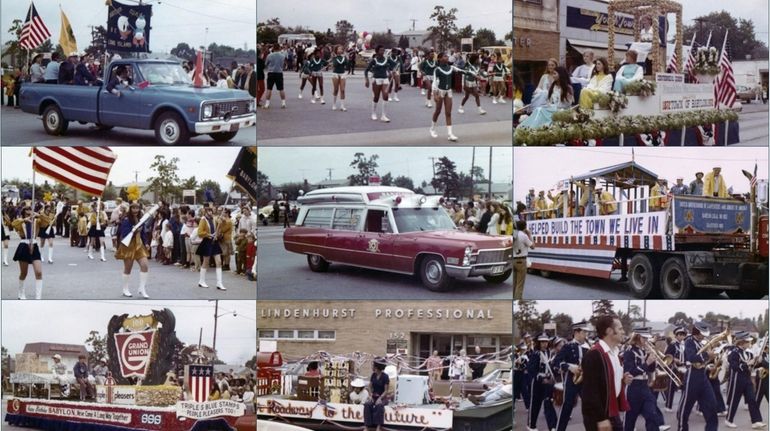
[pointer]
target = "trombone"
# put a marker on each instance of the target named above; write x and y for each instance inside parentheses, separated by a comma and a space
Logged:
(716, 340)
(663, 362)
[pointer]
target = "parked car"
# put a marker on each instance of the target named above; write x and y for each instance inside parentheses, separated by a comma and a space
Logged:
(393, 229)
(161, 98)
(745, 94)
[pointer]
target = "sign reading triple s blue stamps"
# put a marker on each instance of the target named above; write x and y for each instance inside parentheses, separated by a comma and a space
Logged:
(593, 20)
(708, 215)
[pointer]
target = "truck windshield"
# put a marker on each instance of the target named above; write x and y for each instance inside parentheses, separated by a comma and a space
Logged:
(422, 219)
(164, 74)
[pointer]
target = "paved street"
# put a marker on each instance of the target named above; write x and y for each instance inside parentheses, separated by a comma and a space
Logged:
(304, 124)
(20, 128)
(753, 121)
(696, 421)
(74, 276)
(569, 286)
(284, 275)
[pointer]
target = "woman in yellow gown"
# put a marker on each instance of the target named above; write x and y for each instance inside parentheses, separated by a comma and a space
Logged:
(600, 83)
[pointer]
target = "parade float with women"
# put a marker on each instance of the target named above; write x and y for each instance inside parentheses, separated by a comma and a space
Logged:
(139, 390)
(331, 392)
(642, 101)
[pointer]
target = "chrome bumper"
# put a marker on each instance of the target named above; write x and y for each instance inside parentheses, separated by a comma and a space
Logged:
(463, 272)
(234, 124)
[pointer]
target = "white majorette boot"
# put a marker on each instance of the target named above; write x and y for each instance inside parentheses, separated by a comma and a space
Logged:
(90, 254)
(460, 110)
(5, 256)
(342, 106)
(101, 252)
(433, 133)
(451, 137)
(50, 254)
(143, 284)
(202, 281)
(481, 111)
(38, 289)
(220, 286)
(383, 117)
(22, 293)
(374, 111)
(126, 291)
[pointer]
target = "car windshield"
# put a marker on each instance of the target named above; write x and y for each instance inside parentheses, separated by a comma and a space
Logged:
(422, 219)
(164, 74)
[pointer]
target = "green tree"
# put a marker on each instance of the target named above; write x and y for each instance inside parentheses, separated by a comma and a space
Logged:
(216, 192)
(184, 51)
(387, 180)
(680, 318)
(403, 42)
(12, 48)
(444, 26)
(262, 181)
(446, 179)
(601, 307)
(97, 347)
(344, 32)
(484, 37)
(251, 363)
(164, 182)
(526, 317)
(109, 192)
(509, 35)
(366, 168)
(405, 182)
(268, 32)
(563, 325)
(741, 35)
(385, 39)
(5, 363)
(98, 41)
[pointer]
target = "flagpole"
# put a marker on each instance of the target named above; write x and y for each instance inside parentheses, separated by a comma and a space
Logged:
(32, 230)
(708, 41)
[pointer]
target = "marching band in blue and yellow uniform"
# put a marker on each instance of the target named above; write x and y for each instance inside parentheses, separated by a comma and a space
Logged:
(541, 385)
(568, 361)
(742, 364)
(676, 350)
(761, 378)
(639, 361)
(696, 385)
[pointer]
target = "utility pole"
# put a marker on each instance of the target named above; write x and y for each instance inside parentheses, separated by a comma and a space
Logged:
(433, 165)
(413, 21)
(216, 317)
(473, 165)
(330, 172)
(489, 174)
(136, 177)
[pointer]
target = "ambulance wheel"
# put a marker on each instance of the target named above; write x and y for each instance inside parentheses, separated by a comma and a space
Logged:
(641, 277)
(674, 280)
(317, 263)
(433, 274)
(498, 279)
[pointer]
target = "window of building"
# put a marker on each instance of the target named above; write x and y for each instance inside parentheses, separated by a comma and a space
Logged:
(266, 333)
(285, 334)
(297, 335)
(306, 334)
(327, 335)
(487, 343)
(318, 217)
(346, 218)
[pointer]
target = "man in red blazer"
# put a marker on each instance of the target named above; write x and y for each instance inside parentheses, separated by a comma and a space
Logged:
(603, 390)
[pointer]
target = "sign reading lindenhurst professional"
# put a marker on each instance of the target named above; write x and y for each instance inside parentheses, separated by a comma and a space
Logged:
(379, 313)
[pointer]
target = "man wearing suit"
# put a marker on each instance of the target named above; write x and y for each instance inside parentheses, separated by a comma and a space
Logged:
(568, 360)
(676, 350)
(696, 385)
(742, 362)
(603, 393)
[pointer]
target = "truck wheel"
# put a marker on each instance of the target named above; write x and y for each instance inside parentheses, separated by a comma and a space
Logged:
(317, 263)
(433, 274)
(497, 279)
(53, 121)
(170, 129)
(674, 280)
(223, 136)
(641, 276)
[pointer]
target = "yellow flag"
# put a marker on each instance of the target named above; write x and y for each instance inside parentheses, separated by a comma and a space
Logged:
(66, 37)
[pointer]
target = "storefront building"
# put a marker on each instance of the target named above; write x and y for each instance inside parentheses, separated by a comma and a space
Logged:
(535, 37)
(385, 327)
(583, 25)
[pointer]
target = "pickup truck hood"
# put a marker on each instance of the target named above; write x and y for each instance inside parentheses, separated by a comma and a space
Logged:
(206, 93)
(473, 239)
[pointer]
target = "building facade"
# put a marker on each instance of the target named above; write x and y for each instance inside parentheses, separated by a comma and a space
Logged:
(535, 37)
(385, 327)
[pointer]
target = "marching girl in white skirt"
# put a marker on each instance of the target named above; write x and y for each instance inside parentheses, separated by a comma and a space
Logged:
(380, 66)
(135, 251)
(44, 221)
(395, 73)
(472, 74)
(442, 94)
(96, 231)
(499, 72)
(339, 69)
(28, 252)
(316, 64)
(209, 247)
(5, 237)
(427, 67)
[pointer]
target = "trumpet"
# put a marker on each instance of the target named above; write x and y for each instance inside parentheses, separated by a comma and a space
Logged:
(663, 362)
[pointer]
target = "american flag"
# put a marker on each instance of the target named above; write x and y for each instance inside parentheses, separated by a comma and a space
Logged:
(753, 181)
(199, 381)
(83, 168)
(690, 64)
(33, 32)
(725, 91)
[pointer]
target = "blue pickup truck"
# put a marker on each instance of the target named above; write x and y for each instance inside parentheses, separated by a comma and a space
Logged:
(160, 97)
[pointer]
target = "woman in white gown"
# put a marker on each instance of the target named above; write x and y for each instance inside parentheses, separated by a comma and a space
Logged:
(540, 97)
(629, 72)
(560, 96)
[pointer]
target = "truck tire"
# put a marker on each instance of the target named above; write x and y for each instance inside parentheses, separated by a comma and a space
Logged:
(642, 279)
(674, 280)
(53, 121)
(170, 129)
(223, 136)
(433, 274)
(317, 263)
(498, 279)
